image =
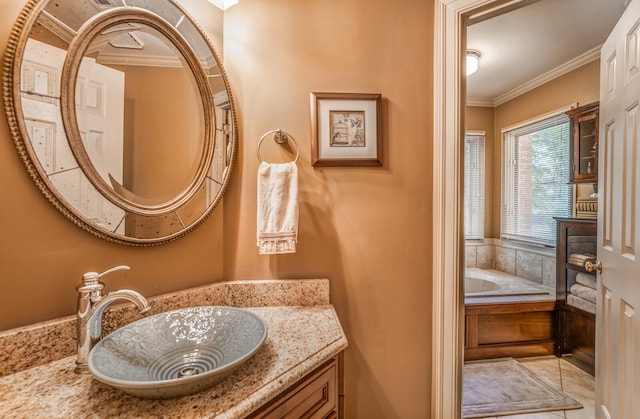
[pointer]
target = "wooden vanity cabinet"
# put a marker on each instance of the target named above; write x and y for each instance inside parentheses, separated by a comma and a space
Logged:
(584, 143)
(319, 395)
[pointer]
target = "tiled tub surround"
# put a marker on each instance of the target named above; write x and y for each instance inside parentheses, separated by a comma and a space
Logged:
(303, 333)
(535, 265)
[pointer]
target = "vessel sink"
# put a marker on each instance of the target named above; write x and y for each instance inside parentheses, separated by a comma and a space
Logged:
(178, 352)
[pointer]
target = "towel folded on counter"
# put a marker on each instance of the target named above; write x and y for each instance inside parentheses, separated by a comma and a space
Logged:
(277, 208)
(584, 292)
(588, 280)
(581, 303)
(580, 259)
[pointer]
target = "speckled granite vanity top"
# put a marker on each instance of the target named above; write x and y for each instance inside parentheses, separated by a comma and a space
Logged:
(303, 332)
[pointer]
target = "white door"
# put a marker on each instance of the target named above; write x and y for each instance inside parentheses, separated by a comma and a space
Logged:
(617, 323)
(100, 115)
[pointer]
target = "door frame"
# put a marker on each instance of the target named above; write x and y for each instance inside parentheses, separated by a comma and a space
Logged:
(450, 17)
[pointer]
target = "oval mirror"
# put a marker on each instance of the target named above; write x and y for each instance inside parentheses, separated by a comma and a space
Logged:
(122, 115)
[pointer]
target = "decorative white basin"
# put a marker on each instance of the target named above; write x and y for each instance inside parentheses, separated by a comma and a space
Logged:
(178, 352)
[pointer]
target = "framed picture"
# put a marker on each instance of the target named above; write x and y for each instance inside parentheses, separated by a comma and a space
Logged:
(346, 129)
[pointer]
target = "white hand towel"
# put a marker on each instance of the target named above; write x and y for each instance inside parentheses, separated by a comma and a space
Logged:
(277, 208)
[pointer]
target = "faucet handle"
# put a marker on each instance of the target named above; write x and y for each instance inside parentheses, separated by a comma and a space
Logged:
(92, 278)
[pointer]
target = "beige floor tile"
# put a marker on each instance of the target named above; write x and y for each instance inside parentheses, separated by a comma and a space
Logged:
(580, 414)
(581, 386)
(575, 382)
(587, 412)
(578, 384)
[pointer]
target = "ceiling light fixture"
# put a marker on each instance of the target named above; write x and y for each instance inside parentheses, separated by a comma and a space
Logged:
(223, 4)
(473, 61)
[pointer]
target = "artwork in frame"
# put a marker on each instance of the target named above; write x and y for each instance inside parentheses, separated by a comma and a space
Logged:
(346, 129)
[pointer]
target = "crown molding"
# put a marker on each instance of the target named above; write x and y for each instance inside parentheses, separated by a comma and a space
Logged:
(561, 70)
(56, 26)
(140, 60)
(579, 61)
(485, 103)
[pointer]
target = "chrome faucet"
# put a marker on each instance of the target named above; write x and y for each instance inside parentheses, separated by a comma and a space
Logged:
(91, 305)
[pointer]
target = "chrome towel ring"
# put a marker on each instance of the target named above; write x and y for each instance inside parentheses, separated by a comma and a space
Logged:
(280, 137)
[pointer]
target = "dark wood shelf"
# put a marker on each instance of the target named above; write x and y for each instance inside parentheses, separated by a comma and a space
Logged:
(575, 328)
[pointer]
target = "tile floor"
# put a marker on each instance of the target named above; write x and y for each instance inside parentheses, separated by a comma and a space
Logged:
(564, 376)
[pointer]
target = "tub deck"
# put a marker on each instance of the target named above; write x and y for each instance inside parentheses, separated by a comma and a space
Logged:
(515, 321)
(510, 286)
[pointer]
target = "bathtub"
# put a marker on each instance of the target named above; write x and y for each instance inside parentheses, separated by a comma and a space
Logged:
(506, 316)
(492, 283)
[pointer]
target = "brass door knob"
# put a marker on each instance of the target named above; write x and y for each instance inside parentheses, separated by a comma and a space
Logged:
(593, 266)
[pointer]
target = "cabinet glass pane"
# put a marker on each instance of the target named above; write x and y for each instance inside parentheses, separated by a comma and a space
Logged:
(587, 163)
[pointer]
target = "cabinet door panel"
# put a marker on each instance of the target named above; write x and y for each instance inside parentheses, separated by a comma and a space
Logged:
(315, 397)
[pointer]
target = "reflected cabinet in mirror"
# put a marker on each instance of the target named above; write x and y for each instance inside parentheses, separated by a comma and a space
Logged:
(122, 114)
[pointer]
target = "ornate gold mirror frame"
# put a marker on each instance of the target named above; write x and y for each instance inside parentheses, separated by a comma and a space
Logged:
(72, 183)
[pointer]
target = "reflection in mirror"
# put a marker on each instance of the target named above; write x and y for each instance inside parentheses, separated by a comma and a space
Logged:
(40, 92)
(146, 154)
(134, 112)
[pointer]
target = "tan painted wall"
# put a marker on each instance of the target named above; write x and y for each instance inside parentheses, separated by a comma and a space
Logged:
(163, 116)
(367, 229)
(43, 255)
(163, 123)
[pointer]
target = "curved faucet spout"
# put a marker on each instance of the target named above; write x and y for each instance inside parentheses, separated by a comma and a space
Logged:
(95, 318)
(91, 305)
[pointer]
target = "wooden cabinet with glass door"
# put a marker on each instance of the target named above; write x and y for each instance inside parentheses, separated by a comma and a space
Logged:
(584, 143)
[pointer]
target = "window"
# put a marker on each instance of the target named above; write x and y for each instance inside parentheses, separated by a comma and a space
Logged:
(474, 186)
(535, 176)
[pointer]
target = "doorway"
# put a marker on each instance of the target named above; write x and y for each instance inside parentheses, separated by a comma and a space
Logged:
(448, 266)
(448, 271)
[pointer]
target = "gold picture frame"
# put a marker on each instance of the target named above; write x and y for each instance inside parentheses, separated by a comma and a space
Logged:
(346, 129)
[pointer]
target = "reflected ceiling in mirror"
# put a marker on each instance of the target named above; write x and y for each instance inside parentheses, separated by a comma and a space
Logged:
(121, 114)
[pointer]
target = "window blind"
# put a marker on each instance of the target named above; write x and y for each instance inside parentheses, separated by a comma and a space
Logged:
(535, 176)
(474, 169)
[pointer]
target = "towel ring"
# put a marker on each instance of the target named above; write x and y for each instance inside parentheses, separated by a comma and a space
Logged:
(280, 137)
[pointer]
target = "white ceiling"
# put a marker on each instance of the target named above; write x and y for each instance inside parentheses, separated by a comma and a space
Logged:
(527, 46)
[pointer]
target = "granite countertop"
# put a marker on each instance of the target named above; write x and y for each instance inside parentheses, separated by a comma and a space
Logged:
(300, 338)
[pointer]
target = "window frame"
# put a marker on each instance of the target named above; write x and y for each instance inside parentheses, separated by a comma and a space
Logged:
(508, 188)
